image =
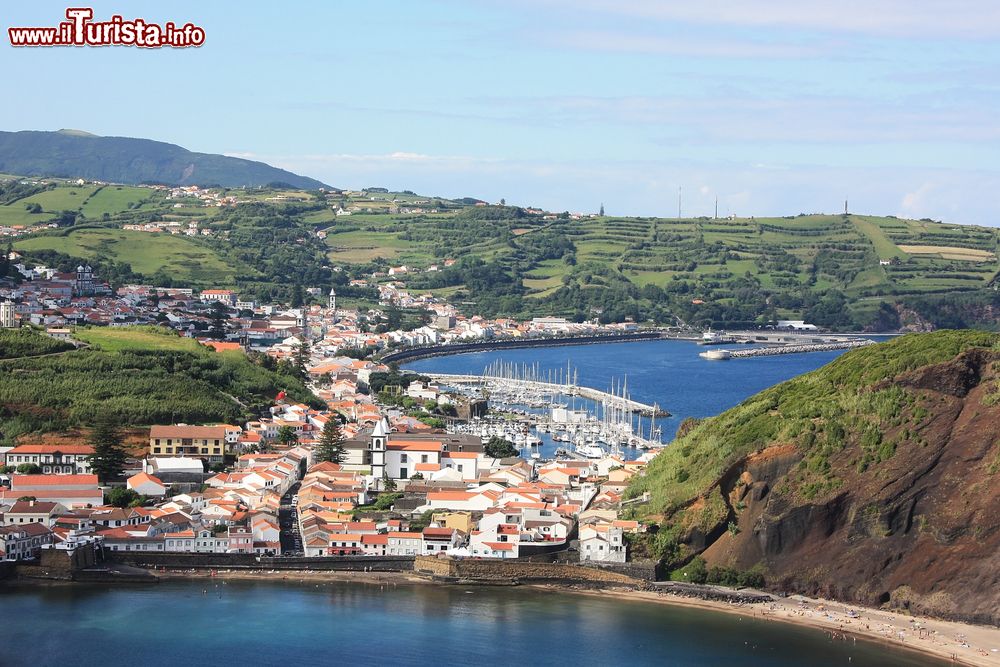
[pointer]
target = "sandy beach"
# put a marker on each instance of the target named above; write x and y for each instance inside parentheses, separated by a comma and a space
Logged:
(960, 643)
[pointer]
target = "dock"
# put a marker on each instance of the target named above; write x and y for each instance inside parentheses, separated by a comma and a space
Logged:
(542, 387)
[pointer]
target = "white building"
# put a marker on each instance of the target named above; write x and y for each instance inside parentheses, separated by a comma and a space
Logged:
(8, 315)
(602, 542)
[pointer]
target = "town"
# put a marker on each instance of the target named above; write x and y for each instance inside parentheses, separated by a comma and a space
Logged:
(359, 477)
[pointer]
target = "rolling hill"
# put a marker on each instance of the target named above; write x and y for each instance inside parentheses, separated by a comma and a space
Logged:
(870, 480)
(839, 271)
(75, 154)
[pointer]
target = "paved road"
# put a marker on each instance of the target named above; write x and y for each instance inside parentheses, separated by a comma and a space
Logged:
(288, 517)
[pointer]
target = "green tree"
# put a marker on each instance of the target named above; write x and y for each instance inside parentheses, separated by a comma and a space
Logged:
(108, 459)
(219, 317)
(331, 442)
(29, 469)
(388, 483)
(302, 354)
(498, 448)
(122, 497)
(5, 261)
(297, 296)
(287, 437)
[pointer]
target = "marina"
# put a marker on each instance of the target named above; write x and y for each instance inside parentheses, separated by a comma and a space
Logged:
(604, 422)
(671, 375)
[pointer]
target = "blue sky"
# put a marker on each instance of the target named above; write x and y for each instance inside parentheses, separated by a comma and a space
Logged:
(774, 106)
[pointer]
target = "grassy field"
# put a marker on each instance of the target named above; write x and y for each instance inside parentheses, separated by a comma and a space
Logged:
(115, 199)
(147, 253)
(60, 199)
(16, 214)
(884, 246)
(950, 252)
(136, 338)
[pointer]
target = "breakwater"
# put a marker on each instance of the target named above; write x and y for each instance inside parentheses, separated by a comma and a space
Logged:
(428, 351)
(798, 349)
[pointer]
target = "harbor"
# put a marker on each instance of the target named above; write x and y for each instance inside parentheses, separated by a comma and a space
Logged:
(524, 397)
(672, 375)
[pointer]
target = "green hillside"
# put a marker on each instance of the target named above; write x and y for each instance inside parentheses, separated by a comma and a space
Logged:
(142, 375)
(834, 270)
(844, 272)
(70, 154)
(872, 480)
(179, 256)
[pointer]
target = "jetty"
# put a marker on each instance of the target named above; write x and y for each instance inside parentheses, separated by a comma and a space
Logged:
(544, 387)
(770, 350)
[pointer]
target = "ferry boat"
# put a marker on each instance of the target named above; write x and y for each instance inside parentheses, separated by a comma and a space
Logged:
(714, 338)
(716, 355)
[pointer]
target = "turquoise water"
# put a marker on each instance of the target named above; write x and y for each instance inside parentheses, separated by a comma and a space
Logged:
(272, 623)
(667, 372)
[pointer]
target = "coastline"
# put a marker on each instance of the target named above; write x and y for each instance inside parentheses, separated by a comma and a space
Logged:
(960, 643)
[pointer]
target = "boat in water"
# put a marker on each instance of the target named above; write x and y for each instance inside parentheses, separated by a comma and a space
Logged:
(715, 338)
(591, 451)
(716, 355)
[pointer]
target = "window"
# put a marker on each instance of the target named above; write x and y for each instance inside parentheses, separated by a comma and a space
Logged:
(402, 458)
(423, 458)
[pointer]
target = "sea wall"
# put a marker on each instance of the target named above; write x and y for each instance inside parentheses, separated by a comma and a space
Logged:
(251, 562)
(645, 570)
(58, 564)
(423, 352)
(488, 571)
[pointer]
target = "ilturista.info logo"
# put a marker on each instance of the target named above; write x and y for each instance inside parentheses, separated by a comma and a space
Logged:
(80, 29)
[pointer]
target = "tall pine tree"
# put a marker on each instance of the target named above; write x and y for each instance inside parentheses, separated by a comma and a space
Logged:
(331, 443)
(302, 356)
(108, 459)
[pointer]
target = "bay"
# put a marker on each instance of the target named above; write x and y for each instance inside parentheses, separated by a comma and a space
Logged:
(286, 623)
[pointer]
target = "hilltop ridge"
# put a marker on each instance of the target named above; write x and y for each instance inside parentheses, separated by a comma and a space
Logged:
(78, 154)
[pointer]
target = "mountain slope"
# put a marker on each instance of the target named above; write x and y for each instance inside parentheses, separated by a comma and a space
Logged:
(73, 154)
(873, 479)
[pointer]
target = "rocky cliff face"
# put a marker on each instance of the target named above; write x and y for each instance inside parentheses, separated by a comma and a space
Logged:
(908, 514)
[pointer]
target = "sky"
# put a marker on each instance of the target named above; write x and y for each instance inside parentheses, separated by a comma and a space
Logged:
(772, 107)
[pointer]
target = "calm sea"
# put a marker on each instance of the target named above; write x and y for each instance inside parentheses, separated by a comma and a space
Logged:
(666, 372)
(271, 623)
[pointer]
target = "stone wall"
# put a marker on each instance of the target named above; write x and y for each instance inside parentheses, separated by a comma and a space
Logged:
(507, 572)
(647, 571)
(252, 562)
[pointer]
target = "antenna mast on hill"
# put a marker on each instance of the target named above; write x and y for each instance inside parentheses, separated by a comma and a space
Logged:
(716, 208)
(845, 206)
